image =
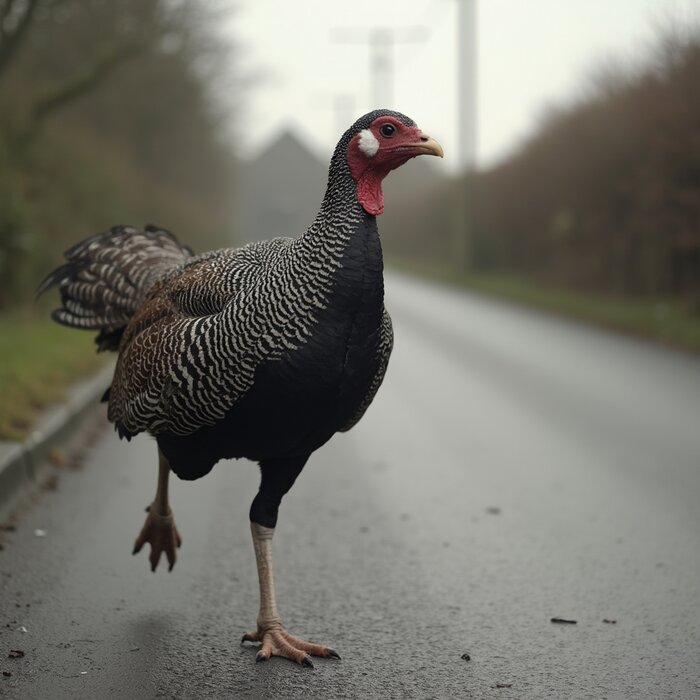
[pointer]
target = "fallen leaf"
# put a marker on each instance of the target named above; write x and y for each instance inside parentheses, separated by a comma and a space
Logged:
(15, 654)
(57, 458)
(51, 484)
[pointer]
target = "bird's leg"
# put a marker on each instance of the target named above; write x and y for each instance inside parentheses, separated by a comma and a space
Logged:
(159, 529)
(275, 640)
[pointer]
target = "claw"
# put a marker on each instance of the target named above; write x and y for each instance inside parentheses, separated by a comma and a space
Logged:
(278, 642)
(160, 532)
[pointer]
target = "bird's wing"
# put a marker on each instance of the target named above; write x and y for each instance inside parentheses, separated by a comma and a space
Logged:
(386, 343)
(208, 282)
(188, 353)
(107, 277)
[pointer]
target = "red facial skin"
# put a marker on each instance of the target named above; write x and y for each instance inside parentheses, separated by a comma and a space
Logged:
(368, 171)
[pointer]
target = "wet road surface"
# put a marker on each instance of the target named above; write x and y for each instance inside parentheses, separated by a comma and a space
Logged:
(514, 468)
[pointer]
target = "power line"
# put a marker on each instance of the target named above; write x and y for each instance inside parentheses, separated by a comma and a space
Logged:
(381, 42)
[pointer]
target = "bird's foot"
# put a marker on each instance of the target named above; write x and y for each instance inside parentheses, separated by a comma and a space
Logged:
(276, 641)
(160, 532)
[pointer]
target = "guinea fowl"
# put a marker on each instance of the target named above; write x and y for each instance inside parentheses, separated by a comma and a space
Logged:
(262, 352)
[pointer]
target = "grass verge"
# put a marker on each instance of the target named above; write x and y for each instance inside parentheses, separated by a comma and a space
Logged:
(664, 320)
(39, 360)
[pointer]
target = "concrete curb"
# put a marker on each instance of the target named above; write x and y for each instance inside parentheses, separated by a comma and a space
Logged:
(22, 464)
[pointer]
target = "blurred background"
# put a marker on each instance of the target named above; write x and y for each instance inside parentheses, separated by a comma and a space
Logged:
(571, 130)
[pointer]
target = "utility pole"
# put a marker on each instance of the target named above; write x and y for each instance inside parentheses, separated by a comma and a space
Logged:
(381, 42)
(466, 77)
(464, 203)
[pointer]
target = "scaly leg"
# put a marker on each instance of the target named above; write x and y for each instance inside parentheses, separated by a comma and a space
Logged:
(277, 478)
(159, 529)
(276, 641)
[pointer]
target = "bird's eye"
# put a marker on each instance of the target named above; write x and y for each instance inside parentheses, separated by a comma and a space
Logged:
(387, 130)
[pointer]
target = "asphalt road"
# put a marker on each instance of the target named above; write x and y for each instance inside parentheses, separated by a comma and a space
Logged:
(514, 468)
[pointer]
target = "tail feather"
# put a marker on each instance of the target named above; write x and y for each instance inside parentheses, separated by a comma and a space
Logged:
(108, 275)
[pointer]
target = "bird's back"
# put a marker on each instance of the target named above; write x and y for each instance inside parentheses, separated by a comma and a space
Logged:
(295, 363)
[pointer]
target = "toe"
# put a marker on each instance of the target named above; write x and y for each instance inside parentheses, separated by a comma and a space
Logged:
(162, 535)
(310, 648)
(171, 556)
(154, 557)
(278, 642)
(250, 637)
(141, 540)
(283, 648)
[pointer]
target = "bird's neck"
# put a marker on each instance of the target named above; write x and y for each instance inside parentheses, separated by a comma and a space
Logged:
(347, 238)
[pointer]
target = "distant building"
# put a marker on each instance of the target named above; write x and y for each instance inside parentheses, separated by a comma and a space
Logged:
(278, 193)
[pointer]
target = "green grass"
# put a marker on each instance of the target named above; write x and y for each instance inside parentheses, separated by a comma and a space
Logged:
(664, 320)
(39, 360)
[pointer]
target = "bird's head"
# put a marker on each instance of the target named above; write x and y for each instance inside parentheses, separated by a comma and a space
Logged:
(377, 143)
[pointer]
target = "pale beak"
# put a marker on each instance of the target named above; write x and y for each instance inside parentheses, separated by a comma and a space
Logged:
(428, 146)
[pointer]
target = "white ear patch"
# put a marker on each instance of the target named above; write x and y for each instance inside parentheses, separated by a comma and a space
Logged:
(368, 143)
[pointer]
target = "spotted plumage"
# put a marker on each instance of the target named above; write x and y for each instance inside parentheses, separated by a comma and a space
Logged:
(263, 351)
(194, 331)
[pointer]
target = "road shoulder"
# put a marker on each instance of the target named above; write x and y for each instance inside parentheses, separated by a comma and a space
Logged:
(23, 465)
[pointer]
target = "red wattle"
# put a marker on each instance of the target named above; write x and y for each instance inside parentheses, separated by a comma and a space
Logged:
(369, 192)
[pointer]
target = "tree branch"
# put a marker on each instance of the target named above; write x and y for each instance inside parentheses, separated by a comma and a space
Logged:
(80, 83)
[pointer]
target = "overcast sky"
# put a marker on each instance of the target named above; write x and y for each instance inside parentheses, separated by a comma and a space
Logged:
(531, 54)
